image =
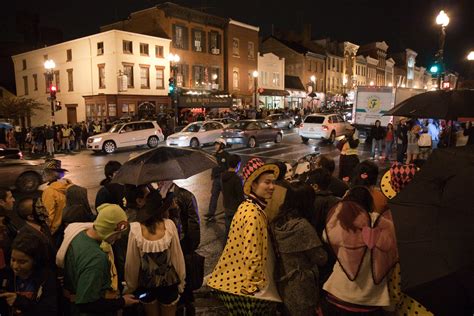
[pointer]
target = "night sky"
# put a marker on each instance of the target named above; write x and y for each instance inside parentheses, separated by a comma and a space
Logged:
(401, 23)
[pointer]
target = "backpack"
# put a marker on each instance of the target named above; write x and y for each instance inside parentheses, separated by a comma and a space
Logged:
(424, 140)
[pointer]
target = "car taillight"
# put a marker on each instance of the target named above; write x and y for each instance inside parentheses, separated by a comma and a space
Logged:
(20, 154)
(325, 127)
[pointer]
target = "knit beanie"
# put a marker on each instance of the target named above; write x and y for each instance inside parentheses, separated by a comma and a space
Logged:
(111, 219)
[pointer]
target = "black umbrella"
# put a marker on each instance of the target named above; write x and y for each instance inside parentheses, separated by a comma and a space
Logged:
(164, 163)
(440, 104)
(433, 218)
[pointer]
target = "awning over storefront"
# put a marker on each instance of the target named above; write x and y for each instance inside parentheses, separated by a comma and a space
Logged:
(204, 101)
(293, 83)
(273, 92)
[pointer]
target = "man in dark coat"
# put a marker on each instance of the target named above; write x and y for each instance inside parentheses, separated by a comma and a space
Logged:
(232, 190)
(336, 185)
(401, 134)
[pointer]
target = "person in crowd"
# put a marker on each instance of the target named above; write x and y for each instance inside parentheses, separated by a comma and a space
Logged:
(412, 146)
(185, 214)
(154, 263)
(377, 134)
(222, 158)
(349, 154)
(232, 190)
(402, 139)
(299, 251)
(7, 232)
(11, 138)
(358, 283)
(90, 275)
(3, 137)
(77, 208)
(54, 196)
(336, 185)
(110, 192)
(84, 134)
(433, 130)
(469, 132)
(77, 137)
(30, 288)
(49, 136)
(424, 144)
(366, 174)
(97, 128)
(66, 138)
(39, 140)
(243, 276)
(389, 139)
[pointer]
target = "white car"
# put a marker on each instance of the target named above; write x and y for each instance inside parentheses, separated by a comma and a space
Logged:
(226, 121)
(322, 126)
(127, 134)
(196, 134)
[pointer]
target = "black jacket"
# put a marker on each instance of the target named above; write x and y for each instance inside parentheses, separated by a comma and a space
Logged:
(338, 187)
(110, 193)
(402, 133)
(187, 220)
(377, 133)
(323, 202)
(232, 190)
(223, 164)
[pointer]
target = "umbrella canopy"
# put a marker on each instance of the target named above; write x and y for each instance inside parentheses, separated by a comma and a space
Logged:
(164, 163)
(440, 104)
(5, 125)
(433, 218)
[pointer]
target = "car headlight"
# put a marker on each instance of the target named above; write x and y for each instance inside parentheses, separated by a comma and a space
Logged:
(97, 140)
(182, 137)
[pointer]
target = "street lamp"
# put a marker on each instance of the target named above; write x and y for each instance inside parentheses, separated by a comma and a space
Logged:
(443, 20)
(255, 84)
(470, 56)
(174, 60)
(49, 66)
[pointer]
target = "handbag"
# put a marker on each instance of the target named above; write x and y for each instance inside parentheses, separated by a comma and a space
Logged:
(194, 270)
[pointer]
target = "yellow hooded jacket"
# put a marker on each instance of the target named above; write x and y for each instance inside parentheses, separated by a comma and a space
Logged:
(54, 200)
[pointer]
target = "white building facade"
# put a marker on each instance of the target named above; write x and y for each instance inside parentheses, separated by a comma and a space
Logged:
(271, 81)
(98, 77)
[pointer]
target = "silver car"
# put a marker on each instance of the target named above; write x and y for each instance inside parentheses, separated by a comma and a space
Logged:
(280, 121)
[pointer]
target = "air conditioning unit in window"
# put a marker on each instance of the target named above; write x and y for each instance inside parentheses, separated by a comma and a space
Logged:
(216, 51)
(198, 49)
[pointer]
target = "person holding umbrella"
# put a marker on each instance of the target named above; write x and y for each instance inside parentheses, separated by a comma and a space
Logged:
(243, 277)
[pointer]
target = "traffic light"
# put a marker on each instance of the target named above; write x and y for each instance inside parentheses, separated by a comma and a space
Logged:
(172, 86)
(58, 106)
(52, 91)
(434, 69)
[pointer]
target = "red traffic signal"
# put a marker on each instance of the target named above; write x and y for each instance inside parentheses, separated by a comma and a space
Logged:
(52, 90)
(446, 85)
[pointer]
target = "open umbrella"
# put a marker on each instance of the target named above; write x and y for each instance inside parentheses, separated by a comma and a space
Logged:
(164, 163)
(433, 218)
(440, 104)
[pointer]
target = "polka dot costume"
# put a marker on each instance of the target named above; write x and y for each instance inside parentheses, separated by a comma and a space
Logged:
(241, 267)
(404, 304)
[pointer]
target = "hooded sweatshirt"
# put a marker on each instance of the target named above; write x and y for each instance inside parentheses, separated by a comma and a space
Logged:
(54, 200)
(232, 190)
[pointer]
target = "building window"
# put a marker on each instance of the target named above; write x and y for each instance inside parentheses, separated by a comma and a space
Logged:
(251, 50)
(25, 84)
(144, 49)
(199, 79)
(35, 82)
(57, 80)
(69, 55)
(235, 47)
(215, 72)
(24, 64)
(276, 79)
(128, 71)
(100, 48)
(101, 68)
(45, 57)
(180, 36)
(199, 41)
(264, 76)
(160, 77)
(235, 78)
(127, 47)
(182, 75)
(214, 43)
(159, 51)
(144, 77)
(70, 80)
(250, 80)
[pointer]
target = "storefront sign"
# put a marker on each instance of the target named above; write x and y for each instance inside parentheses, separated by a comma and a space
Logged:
(204, 101)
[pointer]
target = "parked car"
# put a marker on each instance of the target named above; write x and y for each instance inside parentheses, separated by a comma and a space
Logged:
(226, 121)
(125, 135)
(25, 176)
(280, 121)
(251, 133)
(10, 153)
(322, 126)
(196, 134)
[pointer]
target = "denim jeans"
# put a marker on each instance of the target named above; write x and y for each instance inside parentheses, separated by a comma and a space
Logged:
(388, 149)
(377, 143)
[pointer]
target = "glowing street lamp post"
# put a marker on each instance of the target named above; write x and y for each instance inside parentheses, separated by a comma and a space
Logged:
(49, 66)
(443, 20)
(255, 84)
(173, 89)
